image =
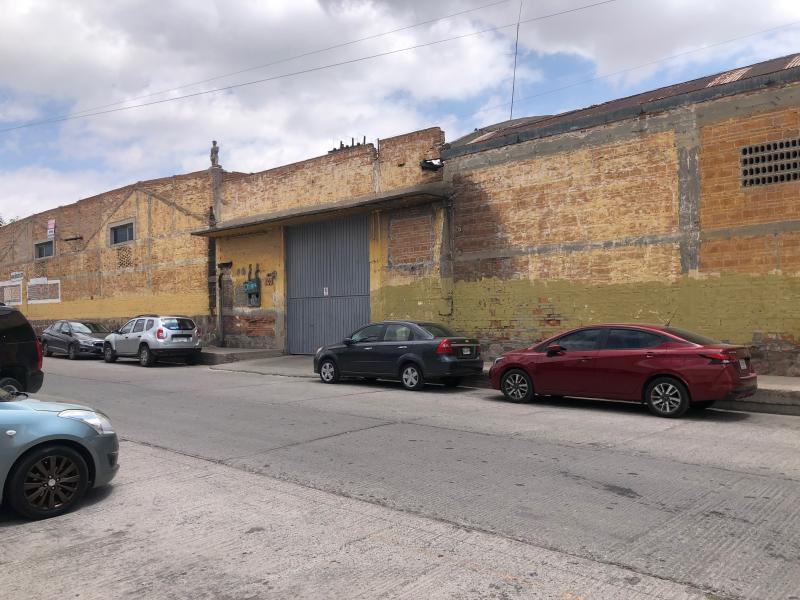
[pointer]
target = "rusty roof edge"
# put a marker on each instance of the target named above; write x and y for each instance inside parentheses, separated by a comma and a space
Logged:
(785, 76)
(438, 190)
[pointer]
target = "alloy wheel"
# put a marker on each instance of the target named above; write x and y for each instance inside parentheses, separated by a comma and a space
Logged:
(665, 398)
(327, 371)
(410, 377)
(516, 387)
(52, 482)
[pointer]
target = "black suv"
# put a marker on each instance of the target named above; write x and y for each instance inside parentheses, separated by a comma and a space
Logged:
(20, 353)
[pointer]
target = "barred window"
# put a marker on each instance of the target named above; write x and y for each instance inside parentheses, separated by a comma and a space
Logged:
(122, 233)
(772, 162)
(43, 250)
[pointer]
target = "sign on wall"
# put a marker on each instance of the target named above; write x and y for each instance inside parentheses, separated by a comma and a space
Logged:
(16, 275)
(42, 290)
(51, 229)
(11, 293)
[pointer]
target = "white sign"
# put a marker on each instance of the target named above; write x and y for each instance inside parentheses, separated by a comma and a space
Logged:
(51, 229)
(324, 291)
(17, 275)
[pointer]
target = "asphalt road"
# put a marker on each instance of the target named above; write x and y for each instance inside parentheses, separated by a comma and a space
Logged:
(709, 501)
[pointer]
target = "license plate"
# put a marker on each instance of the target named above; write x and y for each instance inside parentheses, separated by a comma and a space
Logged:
(466, 351)
(743, 364)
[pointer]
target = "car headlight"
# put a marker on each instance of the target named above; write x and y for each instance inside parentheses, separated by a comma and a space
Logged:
(94, 419)
(319, 349)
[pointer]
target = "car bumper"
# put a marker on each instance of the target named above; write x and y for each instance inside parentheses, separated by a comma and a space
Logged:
(93, 351)
(448, 366)
(105, 449)
(35, 381)
(166, 352)
(744, 391)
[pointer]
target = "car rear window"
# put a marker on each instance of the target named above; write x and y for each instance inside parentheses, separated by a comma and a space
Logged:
(689, 336)
(178, 324)
(14, 328)
(436, 330)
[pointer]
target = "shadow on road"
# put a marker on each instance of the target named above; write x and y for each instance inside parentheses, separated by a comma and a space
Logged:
(8, 518)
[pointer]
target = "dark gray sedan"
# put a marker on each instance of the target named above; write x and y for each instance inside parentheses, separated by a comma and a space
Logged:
(74, 339)
(409, 351)
(51, 454)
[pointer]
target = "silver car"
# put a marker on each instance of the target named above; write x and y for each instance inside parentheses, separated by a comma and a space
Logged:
(51, 454)
(150, 337)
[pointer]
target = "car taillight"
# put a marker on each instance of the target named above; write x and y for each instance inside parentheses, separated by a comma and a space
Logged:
(444, 347)
(39, 355)
(161, 334)
(719, 358)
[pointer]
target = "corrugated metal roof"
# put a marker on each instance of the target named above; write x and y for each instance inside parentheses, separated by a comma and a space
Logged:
(679, 89)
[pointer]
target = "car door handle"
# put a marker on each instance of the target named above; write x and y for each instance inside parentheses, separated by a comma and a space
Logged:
(368, 348)
(586, 358)
(402, 347)
(649, 355)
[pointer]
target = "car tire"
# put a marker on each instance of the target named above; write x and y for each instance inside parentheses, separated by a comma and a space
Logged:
(328, 371)
(667, 397)
(702, 405)
(146, 357)
(411, 377)
(108, 354)
(452, 382)
(56, 463)
(517, 386)
(72, 352)
(11, 385)
(46, 349)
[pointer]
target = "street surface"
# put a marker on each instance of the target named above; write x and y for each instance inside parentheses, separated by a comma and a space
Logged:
(238, 485)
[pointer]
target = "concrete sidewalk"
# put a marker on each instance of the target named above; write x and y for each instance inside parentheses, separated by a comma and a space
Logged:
(777, 395)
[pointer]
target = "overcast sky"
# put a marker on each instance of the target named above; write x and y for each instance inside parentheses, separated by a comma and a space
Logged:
(59, 58)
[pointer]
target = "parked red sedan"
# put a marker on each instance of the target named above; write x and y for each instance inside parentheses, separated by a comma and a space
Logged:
(666, 368)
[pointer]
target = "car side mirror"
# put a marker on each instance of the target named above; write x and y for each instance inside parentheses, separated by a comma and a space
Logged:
(555, 350)
(347, 341)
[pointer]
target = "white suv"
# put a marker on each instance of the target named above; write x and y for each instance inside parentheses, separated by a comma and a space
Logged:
(150, 337)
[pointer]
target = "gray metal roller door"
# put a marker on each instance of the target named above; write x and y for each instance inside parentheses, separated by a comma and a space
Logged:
(327, 276)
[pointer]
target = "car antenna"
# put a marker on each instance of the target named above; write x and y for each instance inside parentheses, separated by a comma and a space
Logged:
(671, 317)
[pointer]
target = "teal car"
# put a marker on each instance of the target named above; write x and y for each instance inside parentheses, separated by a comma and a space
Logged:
(51, 454)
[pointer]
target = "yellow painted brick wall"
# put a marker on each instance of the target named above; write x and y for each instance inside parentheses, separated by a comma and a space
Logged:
(628, 188)
(163, 270)
(263, 326)
(337, 176)
(724, 201)
(400, 157)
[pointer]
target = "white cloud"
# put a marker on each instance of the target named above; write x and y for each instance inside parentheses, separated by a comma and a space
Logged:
(88, 54)
(30, 190)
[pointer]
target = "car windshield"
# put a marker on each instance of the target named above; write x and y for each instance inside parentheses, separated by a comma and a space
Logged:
(178, 324)
(436, 330)
(694, 338)
(87, 327)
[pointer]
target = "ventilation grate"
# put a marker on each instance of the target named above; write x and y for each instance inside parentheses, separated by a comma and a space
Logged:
(124, 257)
(773, 162)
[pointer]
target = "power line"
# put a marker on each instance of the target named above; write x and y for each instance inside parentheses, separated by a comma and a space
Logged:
(291, 58)
(640, 66)
(73, 116)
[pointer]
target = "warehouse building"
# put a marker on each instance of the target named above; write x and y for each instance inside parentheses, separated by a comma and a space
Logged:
(681, 202)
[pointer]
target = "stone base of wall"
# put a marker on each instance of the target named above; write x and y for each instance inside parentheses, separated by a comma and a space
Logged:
(251, 331)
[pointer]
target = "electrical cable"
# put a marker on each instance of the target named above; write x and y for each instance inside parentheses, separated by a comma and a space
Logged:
(640, 66)
(71, 117)
(291, 58)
